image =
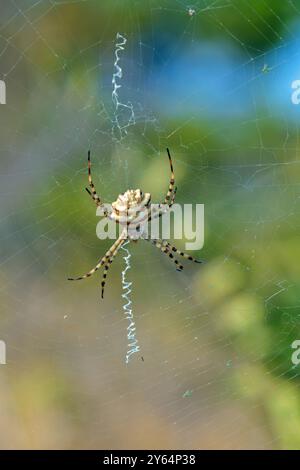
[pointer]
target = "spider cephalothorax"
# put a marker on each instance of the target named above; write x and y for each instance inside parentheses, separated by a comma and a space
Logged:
(131, 208)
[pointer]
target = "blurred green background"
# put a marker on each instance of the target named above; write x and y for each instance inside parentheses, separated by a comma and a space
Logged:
(214, 85)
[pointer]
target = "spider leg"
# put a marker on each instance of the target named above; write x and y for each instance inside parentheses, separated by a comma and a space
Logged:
(103, 260)
(169, 199)
(172, 181)
(181, 253)
(154, 213)
(108, 265)
(164, 248)
(93, 192)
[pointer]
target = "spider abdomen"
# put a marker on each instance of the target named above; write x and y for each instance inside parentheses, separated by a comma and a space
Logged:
(129, 204)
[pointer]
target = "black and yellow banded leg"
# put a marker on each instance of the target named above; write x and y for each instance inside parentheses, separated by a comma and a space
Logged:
(113, 249)
(163, 246)
(181, 253)
(170, 196)
(107, 266)
(166, 250)
(172, 181)
(93, 192)
(171, 202)
(162, 210)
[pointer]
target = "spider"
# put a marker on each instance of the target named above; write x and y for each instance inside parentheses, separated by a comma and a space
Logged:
(128, 206)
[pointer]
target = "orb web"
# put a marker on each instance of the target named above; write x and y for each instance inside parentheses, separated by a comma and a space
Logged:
(212, 81)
